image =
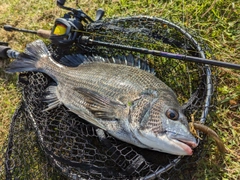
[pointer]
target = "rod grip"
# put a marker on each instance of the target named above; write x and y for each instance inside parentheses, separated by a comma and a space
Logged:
(44, 33)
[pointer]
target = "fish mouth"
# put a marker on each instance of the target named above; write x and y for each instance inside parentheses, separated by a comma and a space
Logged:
(187, 146)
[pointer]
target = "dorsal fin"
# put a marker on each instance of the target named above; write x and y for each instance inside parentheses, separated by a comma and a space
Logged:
(73, 60)
(129, 60)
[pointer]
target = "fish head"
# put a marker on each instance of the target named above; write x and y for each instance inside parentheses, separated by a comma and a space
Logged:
(164, 127)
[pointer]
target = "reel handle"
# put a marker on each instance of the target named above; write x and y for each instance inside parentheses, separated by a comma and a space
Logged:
(61, 2)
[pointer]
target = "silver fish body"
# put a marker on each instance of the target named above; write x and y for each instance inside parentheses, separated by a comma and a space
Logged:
(129, 103)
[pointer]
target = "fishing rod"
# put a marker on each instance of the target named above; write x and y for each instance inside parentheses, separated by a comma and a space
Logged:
(66, 31)
(41, 32)
(87, 40)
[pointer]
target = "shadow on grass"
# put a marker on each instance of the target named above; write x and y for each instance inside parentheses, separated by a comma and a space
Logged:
(7, 78)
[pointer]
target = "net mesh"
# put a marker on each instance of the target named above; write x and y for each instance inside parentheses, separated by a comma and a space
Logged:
(57, 144)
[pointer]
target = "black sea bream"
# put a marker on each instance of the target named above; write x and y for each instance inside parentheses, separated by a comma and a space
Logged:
(129, 103)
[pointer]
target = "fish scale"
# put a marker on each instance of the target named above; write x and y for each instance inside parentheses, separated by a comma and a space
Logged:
(102, 73)
(129, 103)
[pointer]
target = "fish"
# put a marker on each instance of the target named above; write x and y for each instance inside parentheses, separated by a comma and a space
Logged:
(129, 103)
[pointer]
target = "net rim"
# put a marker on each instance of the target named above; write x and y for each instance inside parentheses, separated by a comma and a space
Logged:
(209, 88)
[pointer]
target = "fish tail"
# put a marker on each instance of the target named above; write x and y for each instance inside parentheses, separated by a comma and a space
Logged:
(27, 61)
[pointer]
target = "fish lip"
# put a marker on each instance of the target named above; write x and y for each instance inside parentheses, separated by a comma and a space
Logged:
(172, 145)
(187, 146)
(184, 142)
(189, 143)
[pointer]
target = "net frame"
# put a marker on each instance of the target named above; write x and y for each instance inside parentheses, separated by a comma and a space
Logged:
(94, 50)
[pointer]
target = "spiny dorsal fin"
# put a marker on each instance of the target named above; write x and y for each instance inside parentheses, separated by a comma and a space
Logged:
(73, 60)
(129, 60)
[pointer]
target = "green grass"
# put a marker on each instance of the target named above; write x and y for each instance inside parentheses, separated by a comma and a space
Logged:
(216, 21)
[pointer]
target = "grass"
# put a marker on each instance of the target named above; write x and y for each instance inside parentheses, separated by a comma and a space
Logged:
(216, 21)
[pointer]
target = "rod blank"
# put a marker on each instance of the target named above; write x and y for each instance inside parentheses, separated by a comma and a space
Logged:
(87, 40)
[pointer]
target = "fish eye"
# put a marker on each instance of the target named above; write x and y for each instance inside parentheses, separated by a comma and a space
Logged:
(172, 114)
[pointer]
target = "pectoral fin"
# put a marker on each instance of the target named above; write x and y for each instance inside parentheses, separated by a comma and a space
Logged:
(100, 106)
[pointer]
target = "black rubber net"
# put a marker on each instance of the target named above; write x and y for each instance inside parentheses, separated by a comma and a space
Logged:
(57, 144)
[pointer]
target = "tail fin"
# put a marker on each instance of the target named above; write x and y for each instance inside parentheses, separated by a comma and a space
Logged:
(27, 61)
